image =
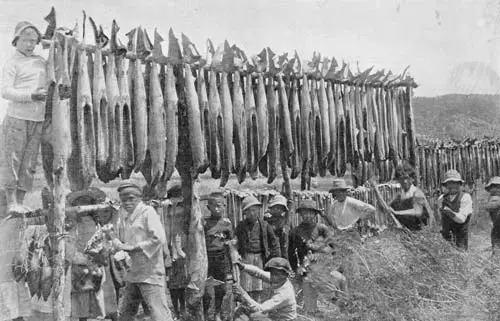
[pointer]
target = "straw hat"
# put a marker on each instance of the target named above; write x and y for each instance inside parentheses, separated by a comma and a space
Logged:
(452, 176)
(308, 205)
(90, 196)
(278, 200)
(493, 181)
(339, 184)
(250, 201)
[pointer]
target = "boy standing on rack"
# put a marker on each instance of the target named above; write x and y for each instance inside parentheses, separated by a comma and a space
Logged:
(23, 85)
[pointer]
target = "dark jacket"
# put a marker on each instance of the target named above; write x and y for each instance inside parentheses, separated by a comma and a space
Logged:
(270, 243)
(299, 236)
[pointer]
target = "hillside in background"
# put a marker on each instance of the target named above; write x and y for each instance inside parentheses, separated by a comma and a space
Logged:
(457, 116)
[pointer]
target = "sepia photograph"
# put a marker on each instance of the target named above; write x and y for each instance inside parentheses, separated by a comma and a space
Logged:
(250, 160)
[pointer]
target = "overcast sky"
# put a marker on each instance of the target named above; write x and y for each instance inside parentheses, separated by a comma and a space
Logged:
(433, 36)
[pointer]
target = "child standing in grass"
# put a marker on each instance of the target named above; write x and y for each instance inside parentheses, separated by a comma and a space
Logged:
(493, 207)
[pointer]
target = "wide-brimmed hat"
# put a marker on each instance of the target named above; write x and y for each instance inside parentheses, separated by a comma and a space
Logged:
(339, 184)
(87, 196)
(278, 263)
(452, 176)
(278, 200)
(20, 27)
(250, 201)
(493, 181)
(307, 204)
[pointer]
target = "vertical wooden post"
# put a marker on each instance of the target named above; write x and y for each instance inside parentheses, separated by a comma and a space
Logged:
(56, 231)
(194, 298)
(410, 124)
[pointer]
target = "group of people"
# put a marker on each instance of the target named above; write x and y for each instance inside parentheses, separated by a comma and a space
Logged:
(270, 250)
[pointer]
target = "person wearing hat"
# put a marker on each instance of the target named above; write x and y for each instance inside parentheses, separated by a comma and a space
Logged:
(257, 244)
(281, 305)
(455, 209)
(277, 217)
(306, 240)
(218, 231)
(346, 211)
(493, 207)
(24, 87)
(88, 302)
(410, 206)
(141, 234)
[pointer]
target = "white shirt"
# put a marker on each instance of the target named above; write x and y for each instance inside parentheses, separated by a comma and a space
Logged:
(22, 76)
(465, 208)
(346, 214)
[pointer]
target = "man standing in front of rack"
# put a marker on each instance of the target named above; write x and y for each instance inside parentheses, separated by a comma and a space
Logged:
(141, 234)
(24, 87)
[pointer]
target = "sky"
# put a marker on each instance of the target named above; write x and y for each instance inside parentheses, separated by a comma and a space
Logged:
(448, 44)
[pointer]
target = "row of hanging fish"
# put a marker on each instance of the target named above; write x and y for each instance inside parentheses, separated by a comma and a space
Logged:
(475, 160)
(246, 116)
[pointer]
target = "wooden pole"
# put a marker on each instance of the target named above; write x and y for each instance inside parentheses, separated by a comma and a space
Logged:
(184, 165)
(410, 125)
(56, 231)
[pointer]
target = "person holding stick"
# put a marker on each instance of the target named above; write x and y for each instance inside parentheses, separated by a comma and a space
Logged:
(141, 234)
(410, 207)
(455, 209)
(24, 87)
(257, 244)
(282, 305)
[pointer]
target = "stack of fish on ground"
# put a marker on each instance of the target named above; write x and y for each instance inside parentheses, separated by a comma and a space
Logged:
(246, 116)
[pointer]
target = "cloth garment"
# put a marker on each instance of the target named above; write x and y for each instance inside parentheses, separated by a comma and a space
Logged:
(345, 214)
(85, 304)
(143, 228)
(22, 76)
(178, 299)
(414, 198)
(247, 282)
(254, 244)
(21, 144)
(283, 234)
(14, 300)
(217, 231)
(457, 232)
(299, 236)
(493, 208)
(270, 244)
(281, 306)
(177, 276)
(151, 295)
(461, 204)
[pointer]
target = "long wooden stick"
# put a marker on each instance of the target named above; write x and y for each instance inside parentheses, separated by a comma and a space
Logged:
(58, 246)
